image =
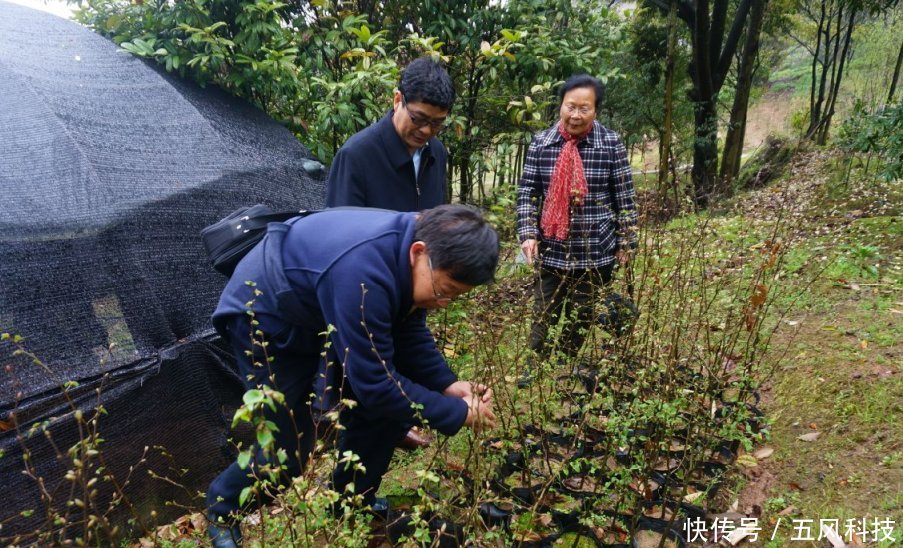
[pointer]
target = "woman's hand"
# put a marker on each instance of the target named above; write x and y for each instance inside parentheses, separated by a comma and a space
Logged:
(529, 248)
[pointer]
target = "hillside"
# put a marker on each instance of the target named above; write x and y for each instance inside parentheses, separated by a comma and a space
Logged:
(842, 344)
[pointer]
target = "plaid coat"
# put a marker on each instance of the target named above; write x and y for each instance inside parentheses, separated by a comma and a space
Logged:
(607, 218)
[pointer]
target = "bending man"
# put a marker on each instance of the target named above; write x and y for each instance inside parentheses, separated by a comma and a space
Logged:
(363, 279)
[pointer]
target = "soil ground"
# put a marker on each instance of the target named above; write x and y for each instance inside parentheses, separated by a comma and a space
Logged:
(841, 379)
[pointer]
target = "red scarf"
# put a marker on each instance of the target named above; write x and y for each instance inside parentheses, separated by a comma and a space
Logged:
(568, 186)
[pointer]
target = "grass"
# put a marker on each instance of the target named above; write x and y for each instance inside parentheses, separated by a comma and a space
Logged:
(793, 73)
(844, 372)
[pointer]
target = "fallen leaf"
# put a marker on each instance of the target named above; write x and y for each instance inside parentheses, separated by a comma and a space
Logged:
(691, 497)
(738, 534)
(544, 519)
(198, 521)
(813, 426)
(666, 465)
(747, 461)
(863, 344)
(167, 532)
(505, 505)
(531, 537)
(812, 436)
(580, 483)
(832, 536)
(795, 485)
(787, 511)
(763, 453)
(854, 287)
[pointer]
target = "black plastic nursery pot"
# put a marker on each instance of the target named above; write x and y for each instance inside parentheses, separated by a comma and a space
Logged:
(649, 533)
(670, 509)
(495, 515)
(444, 533)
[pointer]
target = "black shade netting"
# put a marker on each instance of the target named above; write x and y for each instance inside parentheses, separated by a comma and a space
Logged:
(109, 169)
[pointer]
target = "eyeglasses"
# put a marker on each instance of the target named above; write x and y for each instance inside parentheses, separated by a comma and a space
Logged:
(571, 109)
(420, 120)
(440, 298)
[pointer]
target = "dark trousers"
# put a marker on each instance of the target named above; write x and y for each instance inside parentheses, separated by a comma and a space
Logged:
(565, 293)
(371, 438)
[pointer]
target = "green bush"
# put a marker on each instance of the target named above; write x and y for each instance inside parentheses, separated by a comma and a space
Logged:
(878, 134)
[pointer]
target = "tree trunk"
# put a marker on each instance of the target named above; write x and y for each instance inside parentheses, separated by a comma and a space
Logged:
(664, 148)
(896, 76)
(705, 150)
(824, 38)
(712, 58)
(705, 146)
(736, 132)
(836, 76)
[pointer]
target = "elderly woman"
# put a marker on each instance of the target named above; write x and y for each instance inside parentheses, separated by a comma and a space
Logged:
(576, 214)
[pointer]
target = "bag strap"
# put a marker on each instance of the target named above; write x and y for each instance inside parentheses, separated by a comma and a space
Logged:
(249, 223)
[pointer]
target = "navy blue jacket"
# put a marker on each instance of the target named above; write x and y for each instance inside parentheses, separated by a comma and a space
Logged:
(374, 169)
(349, 269)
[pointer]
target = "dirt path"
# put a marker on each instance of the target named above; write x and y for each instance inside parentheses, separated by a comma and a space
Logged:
(768, 116)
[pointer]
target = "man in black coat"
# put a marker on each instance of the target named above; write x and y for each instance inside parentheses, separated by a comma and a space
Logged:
(398, 163)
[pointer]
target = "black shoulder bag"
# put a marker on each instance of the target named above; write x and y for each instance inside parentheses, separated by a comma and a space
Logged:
(229, 239)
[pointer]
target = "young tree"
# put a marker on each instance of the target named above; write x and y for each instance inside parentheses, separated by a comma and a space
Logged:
(736, 127)
(833, 22)
(716, 30)
(896, 77)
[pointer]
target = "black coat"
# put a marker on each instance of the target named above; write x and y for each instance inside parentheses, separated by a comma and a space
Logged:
(374, 169)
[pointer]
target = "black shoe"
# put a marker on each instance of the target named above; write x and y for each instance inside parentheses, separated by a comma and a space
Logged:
(525, 380)
(223, 535)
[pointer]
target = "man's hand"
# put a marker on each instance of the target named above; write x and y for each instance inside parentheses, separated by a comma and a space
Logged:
(479, 415)
(529, 247)
(478, 398)
(623, 256)
(468, 390)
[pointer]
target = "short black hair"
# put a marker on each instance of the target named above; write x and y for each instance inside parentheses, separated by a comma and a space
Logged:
(459, 240)
(426, 81)
(583, 81)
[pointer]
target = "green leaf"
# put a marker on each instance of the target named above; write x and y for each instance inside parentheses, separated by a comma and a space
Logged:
(112, 22)
(244, 496)
(264, 438)
(252, 397)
